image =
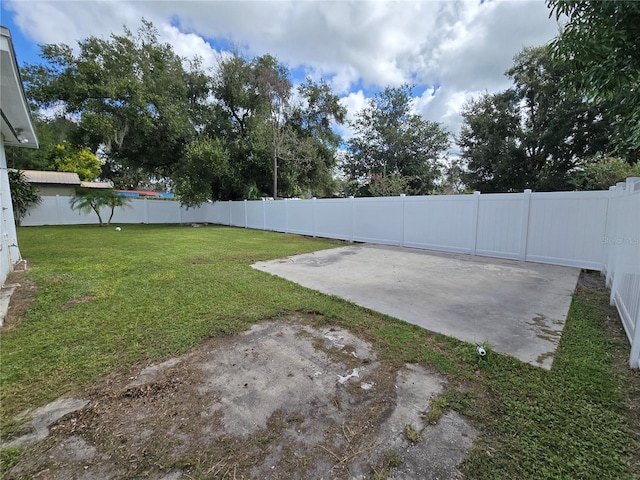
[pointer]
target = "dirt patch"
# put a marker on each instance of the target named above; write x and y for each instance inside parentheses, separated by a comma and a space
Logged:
(21, 299)
(284, 400)
(78, 300)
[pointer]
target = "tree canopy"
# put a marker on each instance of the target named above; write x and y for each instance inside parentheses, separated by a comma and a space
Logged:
(600, 45)
(239, 131)
(131, 95)
(391, 140)
(533, 134)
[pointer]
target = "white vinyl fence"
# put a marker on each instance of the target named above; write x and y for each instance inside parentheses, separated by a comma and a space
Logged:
(622, 259)
(595, 230)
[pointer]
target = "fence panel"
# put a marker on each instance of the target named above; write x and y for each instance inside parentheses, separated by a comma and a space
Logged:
(275, 216)
(218, 212)
(238, 214)
(378, 220)
(499, 227)
(439, 222)
(566, 228)
(334, 218)
(299, 215)
(256, 215)
(194, 214)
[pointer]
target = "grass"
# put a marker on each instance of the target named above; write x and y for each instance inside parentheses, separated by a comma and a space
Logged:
(107, 300)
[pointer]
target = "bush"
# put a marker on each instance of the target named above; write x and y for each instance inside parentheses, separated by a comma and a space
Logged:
(23, 194)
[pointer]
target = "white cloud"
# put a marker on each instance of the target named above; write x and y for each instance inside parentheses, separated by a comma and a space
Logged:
(354, 103)
(190, 45)
(461, 47)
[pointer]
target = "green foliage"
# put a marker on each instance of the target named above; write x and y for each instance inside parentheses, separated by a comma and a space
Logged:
(50, 134)
(275, 145)
(24, 195)
(389, 139)
(131, 94)
(532, 135)
(78, 160)
(600, 44)
(490, 144)
(156, 116)
(206, 173)
(602, 172)
(94, 199)
(412, 434)
(9, 457)
(390, 185)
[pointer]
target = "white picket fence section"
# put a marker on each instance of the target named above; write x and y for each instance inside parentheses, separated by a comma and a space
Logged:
(595, 230)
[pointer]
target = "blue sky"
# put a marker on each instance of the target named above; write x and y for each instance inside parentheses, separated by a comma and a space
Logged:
(450, 50)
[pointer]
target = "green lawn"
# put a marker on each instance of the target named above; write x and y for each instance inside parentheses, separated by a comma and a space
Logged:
(106, 300)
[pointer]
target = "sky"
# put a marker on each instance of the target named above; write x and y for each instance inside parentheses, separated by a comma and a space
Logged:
(449, 50)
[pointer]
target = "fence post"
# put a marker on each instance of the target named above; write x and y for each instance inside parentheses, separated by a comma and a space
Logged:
(58, 215)
(613, 243)
(475, 211)
(403, 199)
(353, 218)
(264, 214)
(610, 220)
(313, 215)
(524, 226)
(286, 216)
(246, 215)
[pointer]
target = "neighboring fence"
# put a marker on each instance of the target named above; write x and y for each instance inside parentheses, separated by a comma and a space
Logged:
(57, 211)
(561, 228)
(596, 230)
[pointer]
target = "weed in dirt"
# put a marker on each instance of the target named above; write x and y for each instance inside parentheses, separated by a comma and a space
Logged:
(411, 433)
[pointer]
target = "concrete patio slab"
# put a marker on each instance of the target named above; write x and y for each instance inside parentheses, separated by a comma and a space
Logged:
(518, 307)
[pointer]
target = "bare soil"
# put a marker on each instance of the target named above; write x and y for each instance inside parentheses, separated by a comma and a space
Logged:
(287, 399)
(21, 299)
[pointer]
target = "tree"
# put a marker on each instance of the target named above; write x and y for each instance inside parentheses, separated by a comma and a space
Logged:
(600, 45)
(490, 144)
(313, 159)
(206, 173)
(274, 88)
(131, 93)
(24, 195)
(532, 135)
(275, 145)
(453, 178)
(78, 160)
(602, 172)
(93, 199)
(390, 139)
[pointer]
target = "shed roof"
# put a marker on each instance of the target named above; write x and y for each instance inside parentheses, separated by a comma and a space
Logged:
(96, 185)
(59, 178)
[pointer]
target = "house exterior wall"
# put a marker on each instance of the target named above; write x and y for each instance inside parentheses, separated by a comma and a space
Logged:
(9, 251)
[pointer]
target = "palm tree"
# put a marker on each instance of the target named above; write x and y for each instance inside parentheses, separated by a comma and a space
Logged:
(88, 199)
(116, 200)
